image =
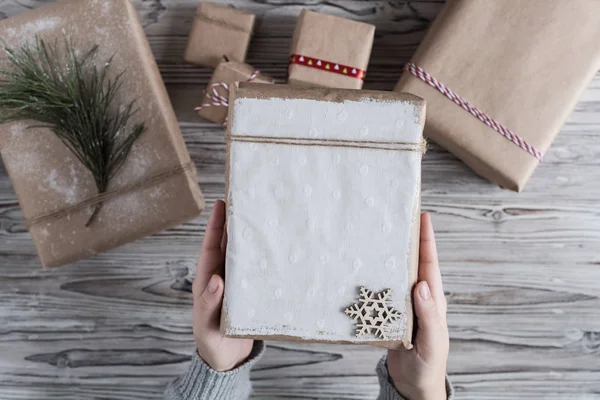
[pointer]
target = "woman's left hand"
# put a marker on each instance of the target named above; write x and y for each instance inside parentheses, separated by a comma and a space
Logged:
(221, 353)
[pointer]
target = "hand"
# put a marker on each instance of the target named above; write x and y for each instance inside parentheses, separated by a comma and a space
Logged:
(420, 373)
(221, 353)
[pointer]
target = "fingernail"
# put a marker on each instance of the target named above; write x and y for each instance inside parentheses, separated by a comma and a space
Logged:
(213, 285)
(424, 291)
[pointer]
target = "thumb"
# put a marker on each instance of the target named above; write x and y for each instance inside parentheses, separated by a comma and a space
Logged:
(432, 336)
(207, 306)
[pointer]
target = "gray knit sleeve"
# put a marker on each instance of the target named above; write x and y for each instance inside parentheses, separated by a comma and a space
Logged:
(389, 392)
(201, 382)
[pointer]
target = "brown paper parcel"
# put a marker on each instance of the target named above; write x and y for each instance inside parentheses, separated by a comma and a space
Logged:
(228, 72)
(47, 177)
(333, 39)
(262, 91)
(218, 31)
(522, 62)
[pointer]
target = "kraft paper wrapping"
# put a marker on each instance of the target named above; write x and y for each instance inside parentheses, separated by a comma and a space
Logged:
(262, 91)
(218, 31)
(333, 39)
(47, 177)
(524, 63)
(228, 71)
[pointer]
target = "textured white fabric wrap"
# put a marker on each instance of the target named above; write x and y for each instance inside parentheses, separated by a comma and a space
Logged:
(307, 226)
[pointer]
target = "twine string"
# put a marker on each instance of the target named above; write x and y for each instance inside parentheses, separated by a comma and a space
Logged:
(466, 105)
(216, 99)
(110, 194)
(419, 147)
(221, 22)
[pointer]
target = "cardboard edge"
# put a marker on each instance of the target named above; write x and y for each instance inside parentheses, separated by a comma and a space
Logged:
(233, 89)
(59, 262)
(353, 83)
(307, 13)
(234, 64)
(187, 52)
(337, 95)
(164, 102)
(297, 28)
(206, 7)
(249, 36)
(409, 335)
(386, 344)
(413, 260)
(477, 164)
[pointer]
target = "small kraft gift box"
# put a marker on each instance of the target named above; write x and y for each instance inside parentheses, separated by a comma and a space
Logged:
(329, 51)
(501, 77)
(218, 31)
(323, 203)
(101, 161)
(215, 100)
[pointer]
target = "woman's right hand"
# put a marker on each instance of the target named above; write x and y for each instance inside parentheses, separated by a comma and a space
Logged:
(420, 373)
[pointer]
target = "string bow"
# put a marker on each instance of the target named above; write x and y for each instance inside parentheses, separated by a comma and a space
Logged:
(217, 99)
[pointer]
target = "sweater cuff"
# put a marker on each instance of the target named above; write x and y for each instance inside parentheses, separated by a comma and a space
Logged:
(388, 390)
(201, 382)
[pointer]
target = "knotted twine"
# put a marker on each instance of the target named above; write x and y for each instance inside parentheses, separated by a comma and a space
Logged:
(110, 194)
(466, 105)
(221, 22)
(218, 100)
(420, 147)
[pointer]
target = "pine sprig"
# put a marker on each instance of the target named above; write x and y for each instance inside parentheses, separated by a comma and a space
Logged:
(75, 99)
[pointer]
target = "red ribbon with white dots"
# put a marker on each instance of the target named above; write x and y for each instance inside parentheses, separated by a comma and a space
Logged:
(483, 117)
(328, 66)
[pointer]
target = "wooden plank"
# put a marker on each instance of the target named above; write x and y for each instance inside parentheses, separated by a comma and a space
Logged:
(521, 271)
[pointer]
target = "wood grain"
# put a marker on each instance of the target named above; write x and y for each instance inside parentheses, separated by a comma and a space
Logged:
(521, 271)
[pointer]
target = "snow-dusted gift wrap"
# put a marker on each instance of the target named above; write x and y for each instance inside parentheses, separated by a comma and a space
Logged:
(323, 198)
(47, 177)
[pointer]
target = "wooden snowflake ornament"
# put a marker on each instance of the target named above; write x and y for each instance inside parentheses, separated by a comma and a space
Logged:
(372, 313)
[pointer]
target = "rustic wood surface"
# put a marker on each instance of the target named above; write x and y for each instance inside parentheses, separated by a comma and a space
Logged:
(521, 271)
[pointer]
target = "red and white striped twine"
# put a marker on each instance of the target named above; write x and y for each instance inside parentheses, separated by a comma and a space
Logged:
(486, 119)
(218, 100)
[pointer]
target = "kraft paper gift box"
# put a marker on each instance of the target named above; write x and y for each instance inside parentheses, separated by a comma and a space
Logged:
(218, 31)
(523, 63)
(47, 177)
(329, 51)
(323, 199)
(215, 98)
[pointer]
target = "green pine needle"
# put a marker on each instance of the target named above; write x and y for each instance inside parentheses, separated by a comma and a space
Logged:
(68, 94)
